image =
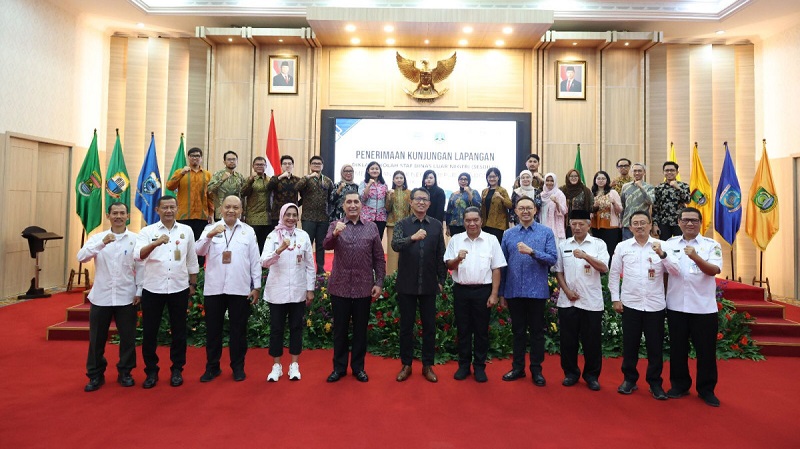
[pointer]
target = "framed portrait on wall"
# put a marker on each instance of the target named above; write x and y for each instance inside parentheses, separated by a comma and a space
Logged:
(283, 74)
(570, 80)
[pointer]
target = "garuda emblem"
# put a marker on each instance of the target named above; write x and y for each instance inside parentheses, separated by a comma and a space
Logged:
(425, 77)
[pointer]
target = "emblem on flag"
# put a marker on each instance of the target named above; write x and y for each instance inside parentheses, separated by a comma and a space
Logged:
(730, 199)
(764, 200)
(87, 186)
(699, 198)
(117, 184)
(151, 184)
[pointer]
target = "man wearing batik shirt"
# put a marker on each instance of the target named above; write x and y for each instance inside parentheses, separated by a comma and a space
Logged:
(623, 167)
(636, 196)
(254, 191)
(315, 189)
(226, 182)
(283, 189)
(671, 196)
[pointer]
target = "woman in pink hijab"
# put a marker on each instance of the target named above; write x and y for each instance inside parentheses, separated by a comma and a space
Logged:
(289, 287)
(554, 206)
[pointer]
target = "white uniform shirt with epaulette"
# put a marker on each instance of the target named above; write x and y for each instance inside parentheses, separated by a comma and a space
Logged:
(240, 271)
(643, 283)
(690, 290)
(580, 275)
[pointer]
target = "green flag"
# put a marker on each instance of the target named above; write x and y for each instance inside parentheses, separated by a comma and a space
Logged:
(178, 163)
(117, 182)
(89, 190)
(579, 165)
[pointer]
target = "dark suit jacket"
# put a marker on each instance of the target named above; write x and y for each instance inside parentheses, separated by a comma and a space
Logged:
(575, 87)
(278, 80)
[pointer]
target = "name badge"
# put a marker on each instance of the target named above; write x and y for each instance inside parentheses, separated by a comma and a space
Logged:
(651, 274)
(226, 257)
(587, 269)
(176, 254)
(299, 259)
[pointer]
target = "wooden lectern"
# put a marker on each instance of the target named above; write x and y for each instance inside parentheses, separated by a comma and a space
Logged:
(36, 237)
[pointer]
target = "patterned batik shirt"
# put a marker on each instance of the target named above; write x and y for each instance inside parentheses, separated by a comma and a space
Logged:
(669, 201)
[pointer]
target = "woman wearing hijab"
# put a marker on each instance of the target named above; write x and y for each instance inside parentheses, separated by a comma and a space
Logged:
(340, 189)
(429, 182)
(579, 197)
(525, 189)
(398, 207)
(607, 207)
(289, 287)
(494, 205)
(461, 199)
(373, 196)
(554, 207)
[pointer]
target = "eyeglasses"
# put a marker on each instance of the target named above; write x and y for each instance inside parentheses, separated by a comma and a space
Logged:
(623, 166)
(463, 179)
(316, 163)
(195, 155)
(640, 223)
(525, 209)
(690, 220)
(347, 171)
(420, 200)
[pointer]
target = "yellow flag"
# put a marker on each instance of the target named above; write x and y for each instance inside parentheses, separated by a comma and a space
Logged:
(762, 205)
(672, 158)
(700, 190)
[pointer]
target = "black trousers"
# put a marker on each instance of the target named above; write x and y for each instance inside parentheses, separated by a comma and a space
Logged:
(238, 308)
(455, 229)
(99, 322)
(701, 328)
(316, 231)
(197, 226)
(495, 232)
(584, 326)
(472, 321)
(278, 313)
(152, 309)
(668, 231)
(527, 314)
(381, 227)
(407, 305)
(262, 231)
(634, 323)
(612, 237)
(346, 310)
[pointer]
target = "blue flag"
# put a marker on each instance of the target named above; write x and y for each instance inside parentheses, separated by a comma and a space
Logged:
(728, 210)
(148, 190)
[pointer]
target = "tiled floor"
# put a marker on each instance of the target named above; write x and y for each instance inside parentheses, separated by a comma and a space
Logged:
(13, 299)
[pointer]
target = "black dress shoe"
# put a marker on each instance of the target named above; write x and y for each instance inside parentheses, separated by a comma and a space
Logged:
(710, 399)
(569, 381)
(627, 387)
(239, 375)
(335, 376)
(461, 373)
(94, 384)
(125, 380)
(593, 385)
(514, 374)
(361, 376)
(150, 382)
(538, 380)
(208, 376)
(177, 379)
(658, 392)
(480, 375)
(674, 393)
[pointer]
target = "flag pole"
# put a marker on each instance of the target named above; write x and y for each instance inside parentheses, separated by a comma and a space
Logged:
(733, 266)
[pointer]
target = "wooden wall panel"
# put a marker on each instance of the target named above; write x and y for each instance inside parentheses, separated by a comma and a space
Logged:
(177, 100)
(233, 103)
(621, 112)
(136, 137)
(494, 79)
(117, 85)
(679, 117)
(357, 77)
(199, 81)
(157, 98)
(656, 107)
(52, 183)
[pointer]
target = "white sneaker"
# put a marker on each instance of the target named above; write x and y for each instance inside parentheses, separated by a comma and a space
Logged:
(294, 371)
(277, 372)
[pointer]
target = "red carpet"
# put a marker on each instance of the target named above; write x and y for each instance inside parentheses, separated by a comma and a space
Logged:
(43, 404)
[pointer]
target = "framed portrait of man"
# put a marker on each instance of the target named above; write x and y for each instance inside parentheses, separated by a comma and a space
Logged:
(283, 74)
(570, 80)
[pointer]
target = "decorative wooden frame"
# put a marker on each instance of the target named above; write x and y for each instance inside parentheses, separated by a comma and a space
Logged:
(577, 88)
(277, 81)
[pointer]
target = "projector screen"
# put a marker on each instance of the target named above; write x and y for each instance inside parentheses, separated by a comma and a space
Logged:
(413, 142)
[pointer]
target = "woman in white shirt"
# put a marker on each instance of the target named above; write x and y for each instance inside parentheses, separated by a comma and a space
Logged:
(289, 287)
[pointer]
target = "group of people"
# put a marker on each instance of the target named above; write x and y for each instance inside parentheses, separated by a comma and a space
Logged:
(492, 262)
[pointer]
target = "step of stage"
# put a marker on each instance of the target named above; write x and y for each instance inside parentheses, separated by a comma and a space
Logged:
(76, 325)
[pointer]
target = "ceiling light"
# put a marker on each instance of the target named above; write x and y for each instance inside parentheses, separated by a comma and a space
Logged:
(463, 42)
(499, 42)
(574, 44)
(280, 40)
(140, 25)
(230, 39)
(355, 41)
(350, 28)
(390, 41)
(467, 29)
(427, 41)
(627, 43)
(721, 32)
(388, 28)
(507, 30)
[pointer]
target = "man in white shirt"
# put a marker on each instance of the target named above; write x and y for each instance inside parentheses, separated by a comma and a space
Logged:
(581, 260)
(475, 259)
(232, 282)
(116, 293)
(641, 303)
(692, 262)
(170, 278)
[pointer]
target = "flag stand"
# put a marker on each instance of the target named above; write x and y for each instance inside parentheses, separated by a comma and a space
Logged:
(762, 281)
(81, 271)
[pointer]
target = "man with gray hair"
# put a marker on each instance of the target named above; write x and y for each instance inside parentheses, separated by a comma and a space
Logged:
(581, 260)
(475, 257)
(636, 195)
